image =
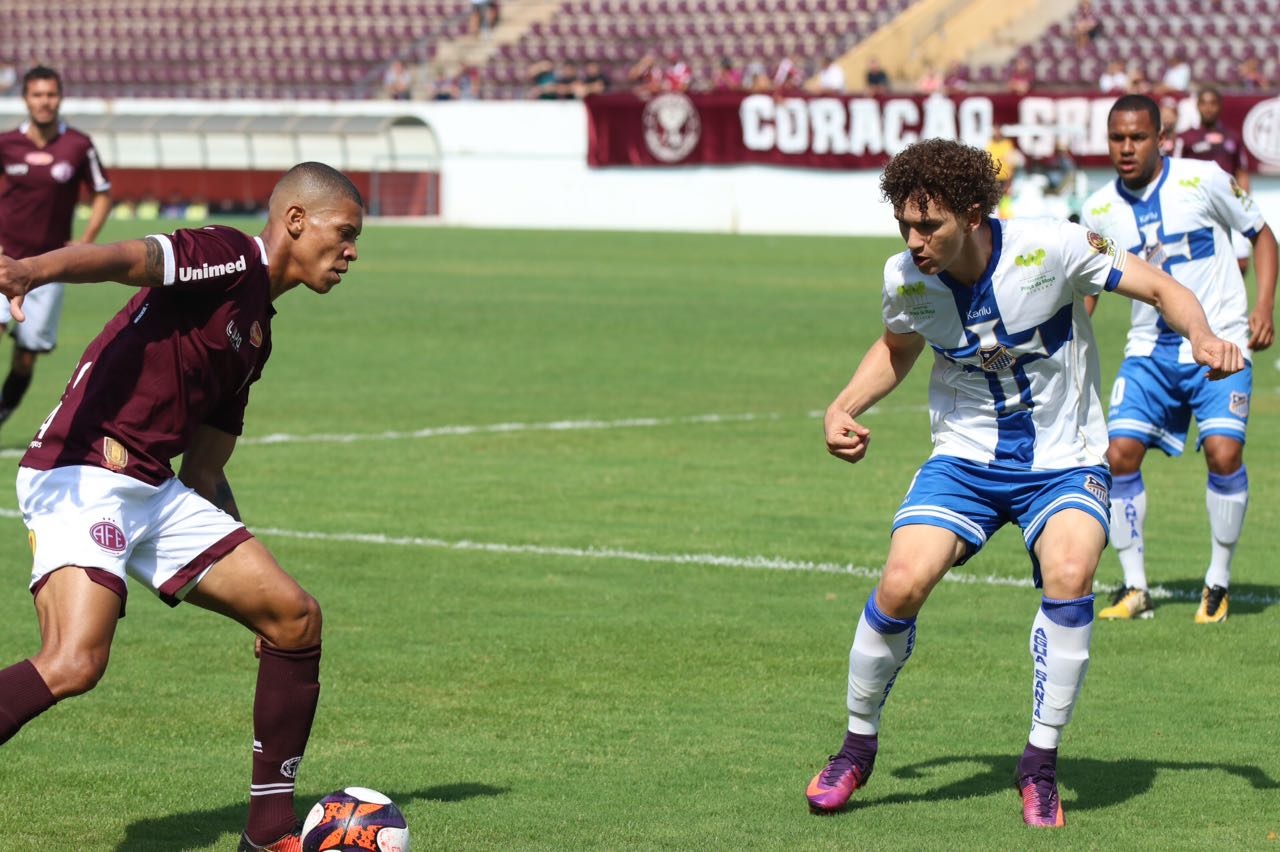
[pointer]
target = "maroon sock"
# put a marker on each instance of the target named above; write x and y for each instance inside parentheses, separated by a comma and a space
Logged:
(283, 708)
(23, 696)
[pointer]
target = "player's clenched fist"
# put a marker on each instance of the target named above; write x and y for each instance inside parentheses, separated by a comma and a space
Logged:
(1222, 358)
(846, 438)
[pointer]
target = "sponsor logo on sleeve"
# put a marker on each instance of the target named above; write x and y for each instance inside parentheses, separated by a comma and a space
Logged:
(1099, 243)
(204, 270)
(108, 536)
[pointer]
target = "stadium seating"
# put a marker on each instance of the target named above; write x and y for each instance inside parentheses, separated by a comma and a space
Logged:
(226, 48)
(1151, 34)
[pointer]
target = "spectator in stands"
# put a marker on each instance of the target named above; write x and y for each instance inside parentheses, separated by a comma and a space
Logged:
(444, 87)
(45, 164)
(484, 14)
(1022, 77)
(789, 75)
(1086, 24)
(397, 82)
(755, 77)
(832, 78)
(877, 78)
(467, 83)
(1251, 76)
(566, 83)
(8, 79)
(646, 76)
(1213, 140)
(1115, 80)
(1139, 83)
(593, 80)
(542, 80)
(956, 80)
(677, 76)
(728, 77)
(1168, 126)
(930, 80)
(1177, 77)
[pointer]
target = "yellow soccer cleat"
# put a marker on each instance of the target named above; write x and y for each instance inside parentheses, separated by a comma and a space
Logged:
(1213, 606)
(1129, 603)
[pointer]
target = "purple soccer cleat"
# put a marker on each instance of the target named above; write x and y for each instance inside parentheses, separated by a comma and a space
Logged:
(1038, 783)
(830, 789)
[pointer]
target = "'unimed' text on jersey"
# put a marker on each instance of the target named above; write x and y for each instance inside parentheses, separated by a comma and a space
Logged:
(1015, 376)
(174, 358)
(1182, 222)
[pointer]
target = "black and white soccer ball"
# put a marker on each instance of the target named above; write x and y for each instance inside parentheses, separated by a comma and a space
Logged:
(355, 819)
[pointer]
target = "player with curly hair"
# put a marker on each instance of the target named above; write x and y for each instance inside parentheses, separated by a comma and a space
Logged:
(1018, 434)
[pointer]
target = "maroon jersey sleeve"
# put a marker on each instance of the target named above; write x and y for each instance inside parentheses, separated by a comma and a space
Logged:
(207, 260)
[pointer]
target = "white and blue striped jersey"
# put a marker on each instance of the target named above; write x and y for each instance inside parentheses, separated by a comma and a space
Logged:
(1182, 222)
(1015, 375)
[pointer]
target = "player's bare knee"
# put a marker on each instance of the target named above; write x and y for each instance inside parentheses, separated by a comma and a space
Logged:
(69, 672)
(900, 589)
(1072, 576)
(1123, 459)
(299, 624)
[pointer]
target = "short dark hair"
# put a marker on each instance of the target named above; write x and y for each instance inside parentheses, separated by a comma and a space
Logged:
(1137, 103)
(323, 178)
(1209, 90)
(950, 174)
(41, 72)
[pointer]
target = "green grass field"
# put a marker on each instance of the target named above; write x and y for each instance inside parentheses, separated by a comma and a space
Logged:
(631, 630)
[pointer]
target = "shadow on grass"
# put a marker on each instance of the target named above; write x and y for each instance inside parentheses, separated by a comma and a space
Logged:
(1246, 598)
(1095, 783)
(200, 828)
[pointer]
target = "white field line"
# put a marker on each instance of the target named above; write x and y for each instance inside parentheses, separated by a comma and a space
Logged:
(507, 428)
(759, 563)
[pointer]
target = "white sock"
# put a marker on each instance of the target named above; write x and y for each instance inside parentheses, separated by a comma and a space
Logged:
(1128, 519)
(1226, 498)
(881, 647)
(1060, 658)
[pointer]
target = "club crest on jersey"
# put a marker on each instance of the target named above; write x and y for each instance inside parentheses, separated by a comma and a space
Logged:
(1101, 244)
(108, 536)
(1239, 404)
(114, 455)
(255, 334)
(1096, 487)
(996, 358)
(61, 171)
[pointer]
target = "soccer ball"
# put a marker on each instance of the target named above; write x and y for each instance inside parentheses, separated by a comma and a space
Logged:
(355, 819)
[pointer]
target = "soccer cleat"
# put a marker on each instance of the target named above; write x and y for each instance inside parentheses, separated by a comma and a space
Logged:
(1127, 603)
(1038, 783)
(830, 789)
(291, 842)
(1213, 605)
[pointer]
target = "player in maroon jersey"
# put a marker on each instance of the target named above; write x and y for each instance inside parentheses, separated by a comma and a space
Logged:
(1213, 140)
(170, 375)
(45, 164)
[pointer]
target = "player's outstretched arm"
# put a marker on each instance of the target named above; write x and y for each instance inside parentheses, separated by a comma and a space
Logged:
(136, 262)
(1262, 322)
(881, 370)
(1181, 309)
(204, 467)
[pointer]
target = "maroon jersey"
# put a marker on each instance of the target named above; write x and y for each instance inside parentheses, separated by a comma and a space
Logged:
(1221, 145)
(174, 358)
(41, 187)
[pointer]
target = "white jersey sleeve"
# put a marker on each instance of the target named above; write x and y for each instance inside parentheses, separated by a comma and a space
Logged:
(1231, 205)
(897, 297)
(1091, 262)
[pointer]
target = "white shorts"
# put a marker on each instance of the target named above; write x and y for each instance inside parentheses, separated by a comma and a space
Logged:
(165, 536)
(43, 308)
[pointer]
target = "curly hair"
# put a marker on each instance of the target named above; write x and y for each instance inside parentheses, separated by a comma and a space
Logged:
(949, 174)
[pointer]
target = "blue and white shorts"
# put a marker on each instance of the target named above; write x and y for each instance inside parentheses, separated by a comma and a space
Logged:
(974, 500)
(1153, 399)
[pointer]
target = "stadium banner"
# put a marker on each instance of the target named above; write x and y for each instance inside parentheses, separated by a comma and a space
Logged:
(856, 132)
